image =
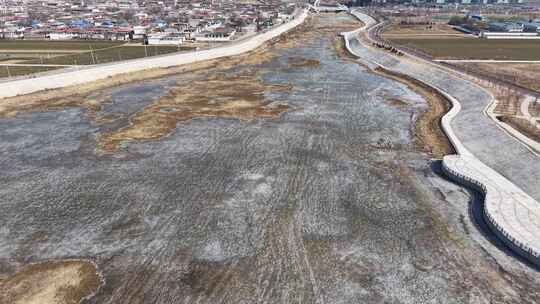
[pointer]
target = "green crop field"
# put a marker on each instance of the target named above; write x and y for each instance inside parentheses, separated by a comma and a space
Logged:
(474, 48)
(31, 45)
(107, 55)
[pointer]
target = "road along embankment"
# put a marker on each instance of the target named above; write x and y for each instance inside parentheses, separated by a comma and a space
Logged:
(488, 159)
(98, 72)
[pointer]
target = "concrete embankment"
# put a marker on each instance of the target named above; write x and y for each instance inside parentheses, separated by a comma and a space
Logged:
(512, 214)
(98, 72)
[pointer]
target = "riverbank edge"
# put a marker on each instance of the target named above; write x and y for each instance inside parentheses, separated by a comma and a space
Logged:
(492, 193)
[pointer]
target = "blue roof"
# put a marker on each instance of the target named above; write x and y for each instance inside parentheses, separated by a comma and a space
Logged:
(80, 23)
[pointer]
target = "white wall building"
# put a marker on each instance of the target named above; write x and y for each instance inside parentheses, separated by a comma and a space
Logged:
(165, 39)
(60, 36)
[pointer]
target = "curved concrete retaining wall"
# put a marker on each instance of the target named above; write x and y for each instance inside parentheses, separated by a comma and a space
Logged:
(507, 209)
(492, 195)
(74, 77)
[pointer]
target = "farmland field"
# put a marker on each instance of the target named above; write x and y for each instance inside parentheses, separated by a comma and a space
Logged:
(13, 71)
(399, 31)
(473, 48)
(108, 55)
(32, 45)
(524, 74)
(16, 52)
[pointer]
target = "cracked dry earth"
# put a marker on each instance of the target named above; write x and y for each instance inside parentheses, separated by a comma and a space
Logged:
(298, 182)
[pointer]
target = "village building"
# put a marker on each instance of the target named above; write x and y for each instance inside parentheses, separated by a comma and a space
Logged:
(165, 39)
(221, 34)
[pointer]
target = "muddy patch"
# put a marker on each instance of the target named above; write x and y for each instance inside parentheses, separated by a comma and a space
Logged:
(63, 282)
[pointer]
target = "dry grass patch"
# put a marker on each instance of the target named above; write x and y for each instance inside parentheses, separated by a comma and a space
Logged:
(523, 126)
(398, 103)
(238, 97)
(428, 130)
(299, 62)
(66, 282)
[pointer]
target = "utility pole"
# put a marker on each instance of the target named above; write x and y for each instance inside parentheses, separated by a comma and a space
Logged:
(92, 54)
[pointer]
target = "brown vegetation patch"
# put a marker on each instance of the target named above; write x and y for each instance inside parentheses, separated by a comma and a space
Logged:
(62, 282)
(299, 62)
(508, 101)
(12, 107)
(398, 103)
(238, 97)
(341, 50)
(524, 126)
(428, 128)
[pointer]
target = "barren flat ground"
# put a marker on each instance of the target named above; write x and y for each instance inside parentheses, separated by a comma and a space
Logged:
(287, 176)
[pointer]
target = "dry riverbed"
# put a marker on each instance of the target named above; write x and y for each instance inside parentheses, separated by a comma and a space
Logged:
(288, 175)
